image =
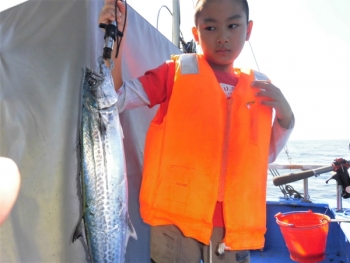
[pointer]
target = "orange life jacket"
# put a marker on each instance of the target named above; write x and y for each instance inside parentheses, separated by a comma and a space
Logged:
(208, 148)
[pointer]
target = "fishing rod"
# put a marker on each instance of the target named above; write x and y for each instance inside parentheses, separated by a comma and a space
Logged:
(340, 166)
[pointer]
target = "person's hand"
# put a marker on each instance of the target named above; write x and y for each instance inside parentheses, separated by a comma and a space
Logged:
(272, 96)
(9, 186)
(107, 14)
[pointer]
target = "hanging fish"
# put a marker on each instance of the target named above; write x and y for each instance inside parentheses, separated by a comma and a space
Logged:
(103, 170)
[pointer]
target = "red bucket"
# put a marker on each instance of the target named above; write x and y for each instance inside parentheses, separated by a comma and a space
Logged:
(305, 234)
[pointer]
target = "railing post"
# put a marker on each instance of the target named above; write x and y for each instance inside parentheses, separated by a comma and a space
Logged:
(306, 190)
(339, 198)
(176, 23)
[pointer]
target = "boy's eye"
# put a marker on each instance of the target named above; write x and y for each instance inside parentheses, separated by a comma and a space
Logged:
(210, 28)
(232, 26)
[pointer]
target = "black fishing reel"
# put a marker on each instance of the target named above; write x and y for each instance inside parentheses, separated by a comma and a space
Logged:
(341, 166)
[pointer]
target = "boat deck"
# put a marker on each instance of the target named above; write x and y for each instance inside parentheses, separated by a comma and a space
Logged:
(282, 256)
(337, 250)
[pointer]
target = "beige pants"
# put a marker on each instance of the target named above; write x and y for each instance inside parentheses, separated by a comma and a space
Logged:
(169, 245)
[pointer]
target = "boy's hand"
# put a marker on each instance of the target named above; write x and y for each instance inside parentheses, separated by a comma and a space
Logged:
(273, 97)
(107, 14)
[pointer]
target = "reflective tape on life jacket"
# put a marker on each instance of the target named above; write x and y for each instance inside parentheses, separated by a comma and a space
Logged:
(208, 148)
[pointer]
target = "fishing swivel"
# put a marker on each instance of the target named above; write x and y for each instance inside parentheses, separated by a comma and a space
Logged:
(110, 38)
(111, 34)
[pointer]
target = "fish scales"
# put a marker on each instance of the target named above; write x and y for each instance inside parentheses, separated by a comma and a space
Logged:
(103, 171)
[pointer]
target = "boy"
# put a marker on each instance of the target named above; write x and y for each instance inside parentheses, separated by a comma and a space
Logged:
(207, 149)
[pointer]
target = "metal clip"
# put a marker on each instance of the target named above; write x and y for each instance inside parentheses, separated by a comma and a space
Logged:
(222, 247)
(249, 103)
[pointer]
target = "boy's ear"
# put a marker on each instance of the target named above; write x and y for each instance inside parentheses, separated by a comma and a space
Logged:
(195, 34)
(249, 30)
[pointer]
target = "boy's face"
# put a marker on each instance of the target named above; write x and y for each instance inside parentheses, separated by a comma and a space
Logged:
(221, 31)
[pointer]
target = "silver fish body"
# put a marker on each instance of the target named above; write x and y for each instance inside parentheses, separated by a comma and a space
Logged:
(103, 171)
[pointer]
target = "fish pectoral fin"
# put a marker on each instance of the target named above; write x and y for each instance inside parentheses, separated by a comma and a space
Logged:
(131, 229)
(78, 231)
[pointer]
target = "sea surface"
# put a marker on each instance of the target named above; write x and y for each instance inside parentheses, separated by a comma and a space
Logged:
(320, 152)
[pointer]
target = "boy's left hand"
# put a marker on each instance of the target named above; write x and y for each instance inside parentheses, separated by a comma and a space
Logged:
(274, 98)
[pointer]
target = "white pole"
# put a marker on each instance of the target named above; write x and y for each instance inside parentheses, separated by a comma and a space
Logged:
(176, 23)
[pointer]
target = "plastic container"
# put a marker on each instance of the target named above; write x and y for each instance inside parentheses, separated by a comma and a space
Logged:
(305, 234)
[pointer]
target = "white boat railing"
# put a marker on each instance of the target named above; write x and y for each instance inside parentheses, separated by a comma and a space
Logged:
(303, 167)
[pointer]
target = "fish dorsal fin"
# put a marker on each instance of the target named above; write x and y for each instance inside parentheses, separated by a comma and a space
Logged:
(78, 231)
(131, 230)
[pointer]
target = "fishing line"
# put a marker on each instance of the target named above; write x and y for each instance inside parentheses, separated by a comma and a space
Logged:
(256, 62)
(274, 172)
(120, 34)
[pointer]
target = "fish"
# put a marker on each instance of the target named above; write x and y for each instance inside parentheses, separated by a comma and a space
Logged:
(103, 176)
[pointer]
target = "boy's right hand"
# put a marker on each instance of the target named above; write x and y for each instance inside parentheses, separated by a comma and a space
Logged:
(107, 14)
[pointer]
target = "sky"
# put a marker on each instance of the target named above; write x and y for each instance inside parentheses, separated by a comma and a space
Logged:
(303, 46)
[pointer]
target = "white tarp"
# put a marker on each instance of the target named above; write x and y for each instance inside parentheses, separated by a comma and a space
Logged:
(44, 47)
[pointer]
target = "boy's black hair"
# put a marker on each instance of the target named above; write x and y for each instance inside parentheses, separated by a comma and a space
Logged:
(201, 3)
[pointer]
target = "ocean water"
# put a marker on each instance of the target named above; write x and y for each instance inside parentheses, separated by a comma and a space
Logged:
(320, 152)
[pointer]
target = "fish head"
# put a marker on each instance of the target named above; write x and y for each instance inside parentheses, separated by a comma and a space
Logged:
(98, 89)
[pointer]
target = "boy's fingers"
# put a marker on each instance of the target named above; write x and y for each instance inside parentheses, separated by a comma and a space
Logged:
(264, 85)
(267, 89)
(121, 10)
(121, 7)
(107, 14)
(274, 99)
(261, 83)
(106, 18)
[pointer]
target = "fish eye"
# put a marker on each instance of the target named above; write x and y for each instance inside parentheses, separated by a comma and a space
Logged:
(92, 81)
